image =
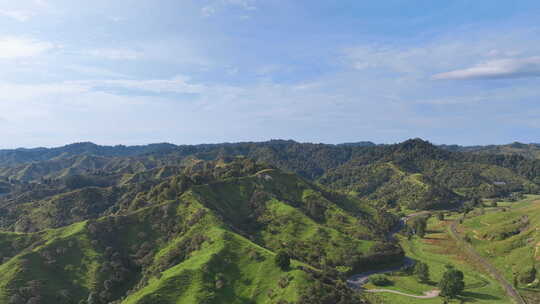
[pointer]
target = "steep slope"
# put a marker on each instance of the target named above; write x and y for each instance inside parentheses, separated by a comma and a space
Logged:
(418, 175)
(387, 184)
(280, 211)
(176, 252)
(207, 235)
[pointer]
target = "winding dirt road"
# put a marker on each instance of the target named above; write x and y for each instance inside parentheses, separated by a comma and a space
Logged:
(427, 295)
(358, 280)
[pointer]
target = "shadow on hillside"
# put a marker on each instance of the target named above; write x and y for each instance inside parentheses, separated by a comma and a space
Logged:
(474, 296)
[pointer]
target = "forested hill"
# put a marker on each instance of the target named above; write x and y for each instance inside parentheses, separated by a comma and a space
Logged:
(203, 224)
(527, 150)
(309, 160)
(414, 173)
(10, 157)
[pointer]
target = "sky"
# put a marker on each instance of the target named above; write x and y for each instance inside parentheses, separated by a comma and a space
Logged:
(207, 71)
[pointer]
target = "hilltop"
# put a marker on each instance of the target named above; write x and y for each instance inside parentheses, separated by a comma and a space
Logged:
(531, 150)
(435, 174)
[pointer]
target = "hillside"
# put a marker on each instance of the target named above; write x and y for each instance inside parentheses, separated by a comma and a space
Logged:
(203, 224)
(424, 175)
(418, 175)
(531, 151)
(206, 235)
(507, 236)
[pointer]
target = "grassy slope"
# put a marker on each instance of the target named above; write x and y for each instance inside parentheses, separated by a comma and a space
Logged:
(226, 253)
(75, 270)
(73, 258)
(286, 220)
(193, 280)
(223, 252)
(510, 254)
(437, 249)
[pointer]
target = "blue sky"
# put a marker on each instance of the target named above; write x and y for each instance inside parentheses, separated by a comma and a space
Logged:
(187, 72)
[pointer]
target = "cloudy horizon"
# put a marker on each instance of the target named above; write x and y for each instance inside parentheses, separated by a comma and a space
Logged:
(188, 72)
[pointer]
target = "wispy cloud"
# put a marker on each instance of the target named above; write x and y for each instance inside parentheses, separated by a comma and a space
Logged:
(208, 10)
(178, 84)
(496, 69)
(503, 54)
(15, 47)
(115, 54)
(215, 6)
(20, 16)
(245, 4)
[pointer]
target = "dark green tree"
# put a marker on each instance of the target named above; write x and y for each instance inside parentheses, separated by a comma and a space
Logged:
(379, 280)
(283, 260)
(528, 276)
(451, 283)
(421, 271)
(419, 226)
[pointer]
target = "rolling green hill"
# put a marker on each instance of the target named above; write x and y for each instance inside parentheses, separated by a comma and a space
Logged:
(208, 235)
(414, 174)
(418, 175)
(202, 224)
(507, 236)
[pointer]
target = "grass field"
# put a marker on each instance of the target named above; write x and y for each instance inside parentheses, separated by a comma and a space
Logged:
(509, 240)
(437, 249)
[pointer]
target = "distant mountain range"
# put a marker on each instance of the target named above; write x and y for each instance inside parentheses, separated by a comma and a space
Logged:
(23, 155)
(527, 150)
(450, 171)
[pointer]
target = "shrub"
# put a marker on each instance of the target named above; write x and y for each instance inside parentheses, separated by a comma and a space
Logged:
(380, 280)
(421, 270)
(528, 276)
(283, 260)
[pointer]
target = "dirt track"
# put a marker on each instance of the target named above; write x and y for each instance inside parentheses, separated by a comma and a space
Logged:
(427, 295)
(358, 280)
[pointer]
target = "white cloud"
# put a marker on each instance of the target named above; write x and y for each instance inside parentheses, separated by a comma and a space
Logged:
(14, 47)
(115, 54)
(24, 10)
(22, 92)
(501, 68)
(20, 16)
(208, 10)
(94, 71)
(215, 6)
(448, 52)
(34, 92)
(178, 84)
(245, 4)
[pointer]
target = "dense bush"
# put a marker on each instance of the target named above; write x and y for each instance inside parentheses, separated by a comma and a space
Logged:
(283, 260)
(380, 280)
(528, 276)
